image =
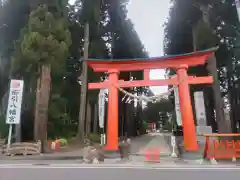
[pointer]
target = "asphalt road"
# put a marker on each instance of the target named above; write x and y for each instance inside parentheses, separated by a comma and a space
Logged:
(65, 172)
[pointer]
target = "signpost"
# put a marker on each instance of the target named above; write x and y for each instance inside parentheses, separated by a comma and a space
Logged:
(14, 106)
(101, 111)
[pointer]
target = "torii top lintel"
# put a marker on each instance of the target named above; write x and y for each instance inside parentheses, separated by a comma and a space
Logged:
(171, 61)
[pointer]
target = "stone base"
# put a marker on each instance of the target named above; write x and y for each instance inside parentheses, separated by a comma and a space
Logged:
(203, 130)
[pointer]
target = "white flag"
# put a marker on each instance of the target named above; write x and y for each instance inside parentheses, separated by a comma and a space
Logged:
(101, 107)
(177, 107)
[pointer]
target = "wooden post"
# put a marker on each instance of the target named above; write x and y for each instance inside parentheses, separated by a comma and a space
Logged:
(189, 131)
(84, 79)
(112, 122)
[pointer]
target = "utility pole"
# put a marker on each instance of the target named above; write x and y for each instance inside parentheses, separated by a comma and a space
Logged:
(84, 85)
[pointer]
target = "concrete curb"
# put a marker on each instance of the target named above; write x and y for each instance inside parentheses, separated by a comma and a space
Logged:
(43, 158)
(60, 157)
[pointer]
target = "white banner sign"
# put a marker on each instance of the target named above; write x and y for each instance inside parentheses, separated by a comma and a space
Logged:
(200, 108)
(177, 107)
(14, 102)
(101, 107)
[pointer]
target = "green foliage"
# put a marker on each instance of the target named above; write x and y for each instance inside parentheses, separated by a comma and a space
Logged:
(214, 23)
(60, 123)
(11, 24)
(13, 17)
(63, 142)
(53, 33)
(204, 36)
(45, 40)
(93, 137)
(158, 111)
(3, 127)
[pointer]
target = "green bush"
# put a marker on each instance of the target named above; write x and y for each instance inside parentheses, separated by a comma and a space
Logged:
(63, 142)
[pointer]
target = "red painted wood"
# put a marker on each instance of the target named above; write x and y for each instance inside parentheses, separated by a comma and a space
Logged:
(140, 83)
(112, 123)
(182, 62)
(189, 131)
(136, 65)
(146, 74)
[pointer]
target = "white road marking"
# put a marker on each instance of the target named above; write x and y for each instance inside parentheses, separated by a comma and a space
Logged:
(114, 166)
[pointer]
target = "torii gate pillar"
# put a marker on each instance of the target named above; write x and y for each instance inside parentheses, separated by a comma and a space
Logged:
(190, 141)
(112, 122)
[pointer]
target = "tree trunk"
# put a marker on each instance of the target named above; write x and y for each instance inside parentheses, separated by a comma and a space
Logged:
(212, 67)
(95, 121)
(233, 105)
(194, 37)
(84, 79)
(209, 104)
(36, 116)
(128, 120)
(41, 111)
(88, 117)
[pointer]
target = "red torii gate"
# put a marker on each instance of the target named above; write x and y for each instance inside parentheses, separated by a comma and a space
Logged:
(179, 62)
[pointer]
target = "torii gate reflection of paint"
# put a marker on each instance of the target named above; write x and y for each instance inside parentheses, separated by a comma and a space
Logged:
(180, 63)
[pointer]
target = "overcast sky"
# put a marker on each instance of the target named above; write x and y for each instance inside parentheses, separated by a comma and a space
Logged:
(148, 16)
